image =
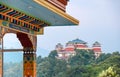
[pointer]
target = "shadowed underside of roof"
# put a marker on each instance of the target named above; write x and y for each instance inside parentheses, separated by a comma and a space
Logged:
(38, 13)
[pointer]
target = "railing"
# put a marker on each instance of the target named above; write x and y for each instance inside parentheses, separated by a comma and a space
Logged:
(12, 50)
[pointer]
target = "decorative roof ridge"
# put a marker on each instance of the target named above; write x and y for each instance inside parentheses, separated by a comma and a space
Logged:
(77, 40)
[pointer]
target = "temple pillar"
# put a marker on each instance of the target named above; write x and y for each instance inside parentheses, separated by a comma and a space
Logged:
(1, 57)
(29, 62)
(2, 33)
(29, 43)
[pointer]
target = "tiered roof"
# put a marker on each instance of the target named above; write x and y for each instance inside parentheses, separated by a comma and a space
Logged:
(59, 45)
(96, 44)
(78, 41)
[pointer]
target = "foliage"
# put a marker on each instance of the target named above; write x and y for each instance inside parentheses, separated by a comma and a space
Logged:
(83, 57)
(112, 61)
(103, 57)
(109, 73)
(50, 66)
(53, 54)
(83, 64)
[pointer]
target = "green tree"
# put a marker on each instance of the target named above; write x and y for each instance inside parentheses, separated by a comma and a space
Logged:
(103, 57)
(109, 73)
(82, 57)
(51, 66)
(53, 54)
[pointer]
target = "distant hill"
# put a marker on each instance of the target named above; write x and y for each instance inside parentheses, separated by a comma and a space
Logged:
(16, 57)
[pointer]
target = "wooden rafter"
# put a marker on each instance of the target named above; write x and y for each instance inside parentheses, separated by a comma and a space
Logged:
(20, 16)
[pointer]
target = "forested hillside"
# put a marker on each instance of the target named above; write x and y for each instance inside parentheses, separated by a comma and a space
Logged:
(13, 69)
(83, 64)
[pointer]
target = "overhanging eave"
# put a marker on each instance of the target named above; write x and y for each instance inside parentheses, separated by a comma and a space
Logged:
(41, 9)
(57, 11)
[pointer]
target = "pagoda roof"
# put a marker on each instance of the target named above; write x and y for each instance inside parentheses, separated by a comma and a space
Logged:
(78, 41)
(59, 45)
(42, 10)
(96, 44)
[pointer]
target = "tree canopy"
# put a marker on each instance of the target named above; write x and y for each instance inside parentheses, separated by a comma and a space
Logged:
(83, 64)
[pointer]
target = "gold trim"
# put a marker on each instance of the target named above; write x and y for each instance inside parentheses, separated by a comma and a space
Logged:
(16, 29)
(56, 10)
(41, 31)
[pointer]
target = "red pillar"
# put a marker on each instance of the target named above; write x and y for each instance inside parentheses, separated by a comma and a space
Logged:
(29, 54)
(29, 62)
(1, 57)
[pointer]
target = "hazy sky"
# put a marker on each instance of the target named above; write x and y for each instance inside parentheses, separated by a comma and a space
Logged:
(99, 21)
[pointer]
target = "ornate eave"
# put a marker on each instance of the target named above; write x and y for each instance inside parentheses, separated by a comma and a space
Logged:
(57, 11)
(37, 13)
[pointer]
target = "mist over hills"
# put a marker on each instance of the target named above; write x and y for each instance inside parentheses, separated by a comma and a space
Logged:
(16, 57)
